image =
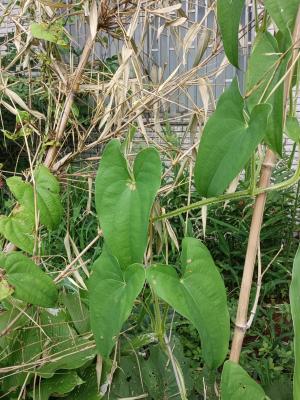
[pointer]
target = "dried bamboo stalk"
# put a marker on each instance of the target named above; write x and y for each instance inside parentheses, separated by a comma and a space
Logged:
(256, 223)
(74, 83)
(73, 87)
(257, 218)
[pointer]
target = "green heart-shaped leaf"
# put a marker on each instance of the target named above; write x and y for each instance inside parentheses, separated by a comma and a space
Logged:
(18, 229)
(199, 295)
(236, 384)
(295, 306)
(124, 199)
(229, 13)
(284, 13)
(112, 292)
(228, 142)
(30, 283)
(48, 200)
(264, 72)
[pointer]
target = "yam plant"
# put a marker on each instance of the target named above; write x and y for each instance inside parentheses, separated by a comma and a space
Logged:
(90, 310)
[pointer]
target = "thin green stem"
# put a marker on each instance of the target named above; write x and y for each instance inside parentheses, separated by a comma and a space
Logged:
(232, 196)
(282, 185)
(265, 22)
(158, 322)
(292, 224)
(204, 202)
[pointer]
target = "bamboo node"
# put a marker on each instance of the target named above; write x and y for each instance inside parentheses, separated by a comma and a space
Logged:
(269, 165)
(241, 327)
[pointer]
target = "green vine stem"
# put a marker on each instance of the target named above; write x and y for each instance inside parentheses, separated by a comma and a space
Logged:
(232, 196)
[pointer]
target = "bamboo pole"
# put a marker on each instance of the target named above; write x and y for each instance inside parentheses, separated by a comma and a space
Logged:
(256, 223)
(257, 218)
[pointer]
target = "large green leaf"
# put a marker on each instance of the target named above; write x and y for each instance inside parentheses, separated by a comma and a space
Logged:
(229, 15)
(30, 283)
(283, 12)
(236, 384)
(61, 383)
(124, 199)
(18, 229)
(112, 293)
(228, 142)
(48, 199)
(264, 72)
(295, 309)
(199, 295)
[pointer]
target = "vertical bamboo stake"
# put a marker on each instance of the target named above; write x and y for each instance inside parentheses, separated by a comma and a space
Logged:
(257, 218)
(256, 223)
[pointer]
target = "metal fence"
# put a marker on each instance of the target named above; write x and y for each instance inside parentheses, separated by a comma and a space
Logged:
(163, 53)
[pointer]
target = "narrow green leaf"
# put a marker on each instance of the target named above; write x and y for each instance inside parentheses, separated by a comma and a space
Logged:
(295, 307)
(229, 13)
(18, 229)
(53, 32)
(112, 293)
(265, 70)
(199, 295)
(236, 384)
(293, 128)
(29, 282)
(60, 384)
(228, 142)
(78, 311)
(124, 199)
(284, 13)
(48, 199)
